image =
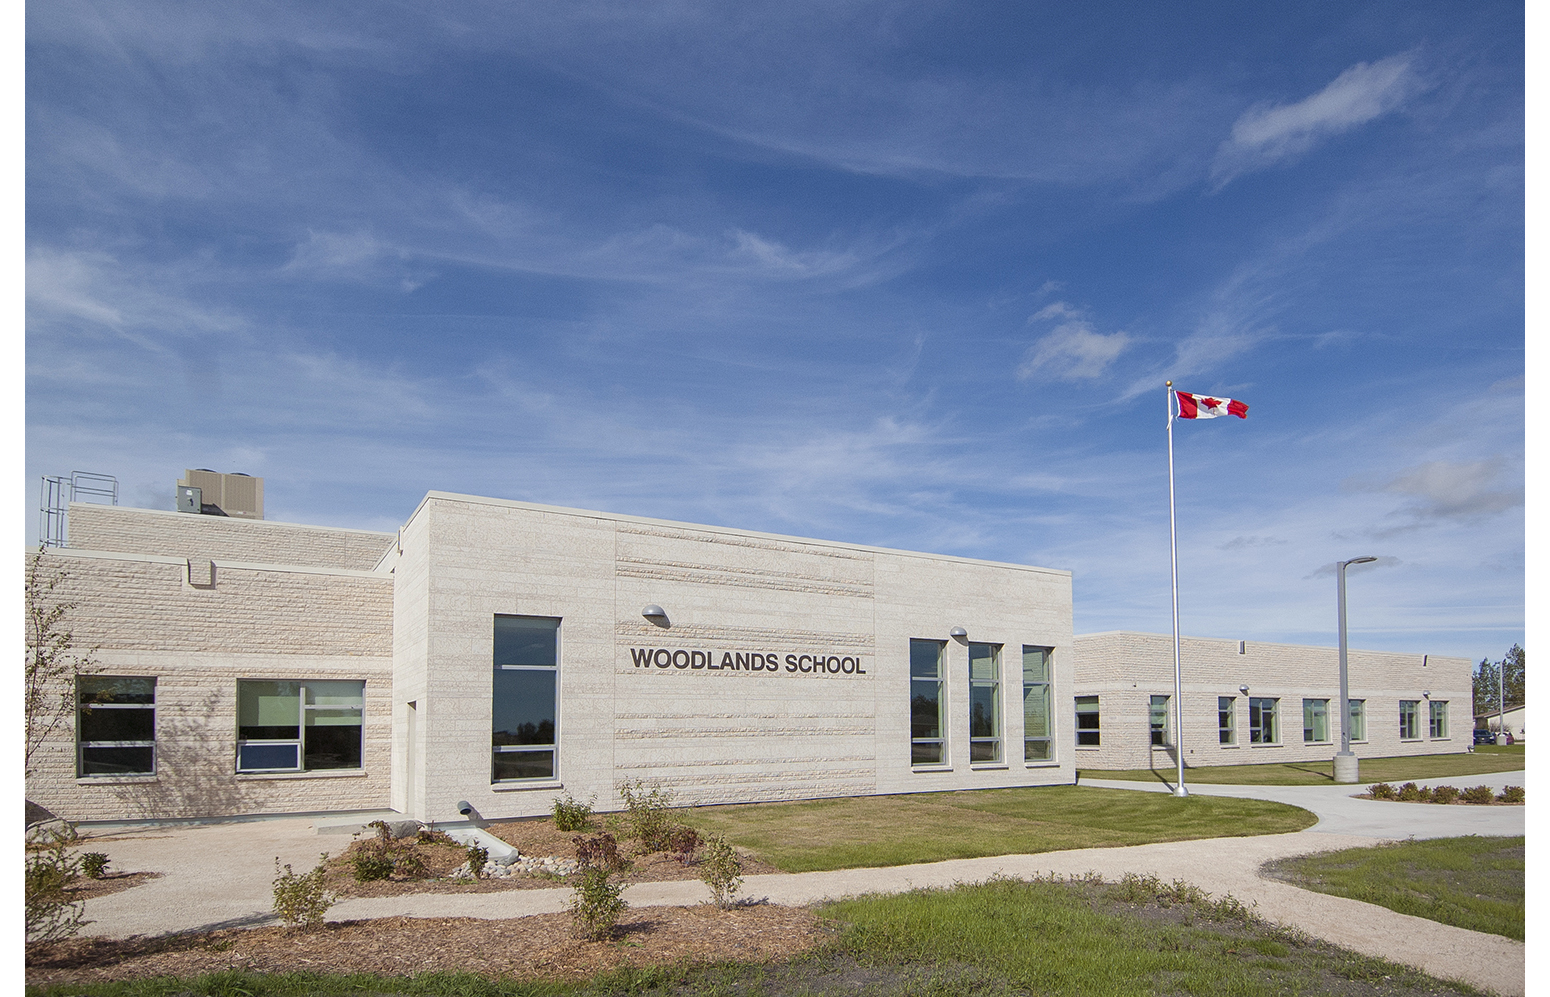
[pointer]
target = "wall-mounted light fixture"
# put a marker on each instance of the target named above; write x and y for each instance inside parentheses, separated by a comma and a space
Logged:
(957, 633)
(656, 614)
(1427, 693)
(1243, 689)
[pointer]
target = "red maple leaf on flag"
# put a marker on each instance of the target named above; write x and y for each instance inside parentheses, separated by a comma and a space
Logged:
(1210, 402)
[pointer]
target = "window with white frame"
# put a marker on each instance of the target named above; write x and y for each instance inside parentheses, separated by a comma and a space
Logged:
(1263, 725)
(1038, 742)
(1315, 720)
(1357, 719)
(525, 699)
(1439, 719)
(305, 725)
(1407, 719)
(1226, 720)
(927, 730)
(115, 725)
(1087, 722)
(984, 702)
(1158, 720)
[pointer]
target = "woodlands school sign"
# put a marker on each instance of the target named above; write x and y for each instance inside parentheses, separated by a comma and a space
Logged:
(687, 660)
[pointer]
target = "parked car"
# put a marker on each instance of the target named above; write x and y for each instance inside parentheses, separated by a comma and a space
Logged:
(1484, 736)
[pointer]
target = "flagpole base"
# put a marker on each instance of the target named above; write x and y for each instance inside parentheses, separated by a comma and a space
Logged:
(1346, 767)
(1180, 791)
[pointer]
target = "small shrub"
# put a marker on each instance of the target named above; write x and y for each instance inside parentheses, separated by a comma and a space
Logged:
(1138, 889)
(721, 870)
(1478, 794)
(301, 901)
(384, 833)
(646, 815)
(94, 864)
(596, 904)
(426, 836)
(477, 857)
(1383, 791)
(1444, 794)
(681, 841)
(50, 870)
(371, 865)
(1411, 793)
(1181, 893)
(408, 863)
(1511, 794)
(600, 851)
(570, 814)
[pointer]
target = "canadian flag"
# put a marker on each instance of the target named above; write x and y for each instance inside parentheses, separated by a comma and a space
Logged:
(1206, 407)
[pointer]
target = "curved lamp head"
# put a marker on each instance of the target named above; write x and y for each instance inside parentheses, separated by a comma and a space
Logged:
(958, 632)
(1359, 560)
(1243, 689)
(656, 614)
(1427, 693)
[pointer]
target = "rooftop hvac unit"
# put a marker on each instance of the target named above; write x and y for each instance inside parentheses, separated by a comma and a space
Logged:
(239, 496)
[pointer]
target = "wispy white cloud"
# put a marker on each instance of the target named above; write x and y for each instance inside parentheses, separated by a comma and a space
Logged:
(1073, 350)
(1441, 489)
(1265, 135)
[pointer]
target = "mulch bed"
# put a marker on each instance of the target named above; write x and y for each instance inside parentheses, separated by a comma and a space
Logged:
(112, 882)
(542, 946)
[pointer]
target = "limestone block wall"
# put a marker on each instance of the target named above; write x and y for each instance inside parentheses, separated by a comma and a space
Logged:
(633, 706)
(146, 620)
(184, 535)
(1125, 669)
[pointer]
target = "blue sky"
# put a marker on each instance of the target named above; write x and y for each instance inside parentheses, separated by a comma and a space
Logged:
(904, 274)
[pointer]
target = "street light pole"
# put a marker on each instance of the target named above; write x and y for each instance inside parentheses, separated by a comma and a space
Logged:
(1346, 765)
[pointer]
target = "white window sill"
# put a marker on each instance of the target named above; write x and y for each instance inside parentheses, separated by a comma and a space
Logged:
(1319, 744)
(114, 780)
(931, 768)
(512, 787)
(1089, 747)
(1442, 739)
(1229, 747)
(1411, 740)
(320, 774)
(1264, 744)
(989, 767)
(1042, 765)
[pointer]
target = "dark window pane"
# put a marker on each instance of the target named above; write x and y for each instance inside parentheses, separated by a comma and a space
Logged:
(982, 711)
(255, 733)
(525, 640)
(118, 761)
(524, 707)
(984, 751)
(266, 756)
(100, 723)
(929, 753)
(925, 659)
(333, 747)
(100, 689)
(1087, 738)
(1036, 751)
(508, 765)
(925, 710)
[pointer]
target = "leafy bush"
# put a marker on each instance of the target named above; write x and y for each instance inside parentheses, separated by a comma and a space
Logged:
(596, 904)
(646, 815)
(600, 851)
(682, 840)
(1479, 794)
(477, 857)
(1383, 791)
(1511, 794)
(1411, 793)
(570, 814)
(426, 836)
(50, 871)
(301, 901)
(371, 865)
(721, 870)
(1444, 794)
(94, 864)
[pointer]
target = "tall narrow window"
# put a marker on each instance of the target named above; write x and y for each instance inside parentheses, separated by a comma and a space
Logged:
(1037, 739)
(1358, 719)
(308, 725)
(1263, 728)
(1226, 715)
(1315, 720)
(1407, 719)
(1158, 717)
(524, 698)
(984, 702)
(1439, 719)
(115, 726)
(926, 728)
(1087, 721)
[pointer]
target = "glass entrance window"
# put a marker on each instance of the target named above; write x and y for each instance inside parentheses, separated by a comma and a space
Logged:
(524, 699)
(1038, 739)
(927, 731)
(984, 702)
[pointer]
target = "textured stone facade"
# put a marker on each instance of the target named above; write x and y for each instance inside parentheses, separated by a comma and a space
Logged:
(1126, 669)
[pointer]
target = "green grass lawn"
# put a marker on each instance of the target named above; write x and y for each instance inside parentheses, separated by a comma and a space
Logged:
(1402, 769)
(1469, 882)
(993, 939)
(871, 831)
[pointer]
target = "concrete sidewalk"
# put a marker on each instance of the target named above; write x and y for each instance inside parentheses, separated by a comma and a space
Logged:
(220, 876)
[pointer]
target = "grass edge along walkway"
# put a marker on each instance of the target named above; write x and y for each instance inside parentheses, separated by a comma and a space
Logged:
(991, 939)
(861, 832)
(1402, 768)
(1469, 882)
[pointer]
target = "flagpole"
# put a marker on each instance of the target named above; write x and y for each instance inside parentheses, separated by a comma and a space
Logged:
(1173, 547)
